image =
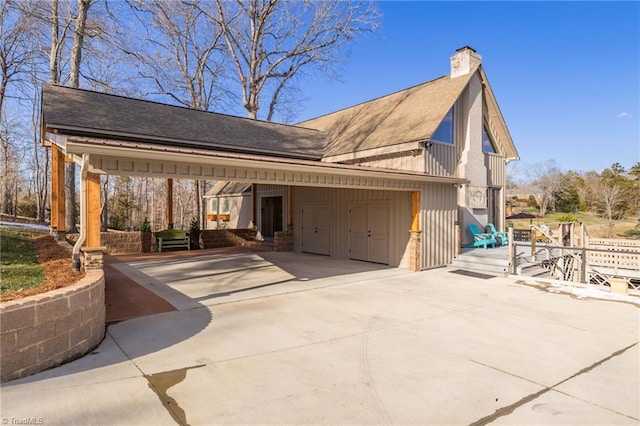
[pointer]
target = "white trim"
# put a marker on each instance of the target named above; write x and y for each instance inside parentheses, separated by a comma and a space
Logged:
(125, 158)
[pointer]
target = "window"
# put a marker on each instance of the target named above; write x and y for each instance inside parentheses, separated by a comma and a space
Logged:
(444, 132)
(225, 205)
(487, 143)
(214, 205)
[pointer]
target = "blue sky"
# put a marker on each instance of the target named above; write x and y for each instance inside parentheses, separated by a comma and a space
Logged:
(565, 74)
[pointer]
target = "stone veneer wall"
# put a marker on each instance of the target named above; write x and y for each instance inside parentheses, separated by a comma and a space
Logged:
(213, 238)
(414, 250)
(43, 331)
(283, 241)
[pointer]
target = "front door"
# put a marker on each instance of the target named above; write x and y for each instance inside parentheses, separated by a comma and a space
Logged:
(369, 232)
(271, 209)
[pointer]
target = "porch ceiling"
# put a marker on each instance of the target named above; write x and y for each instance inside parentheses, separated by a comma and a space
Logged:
(117, 157)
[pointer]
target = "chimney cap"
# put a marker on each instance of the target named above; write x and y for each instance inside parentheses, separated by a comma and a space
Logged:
(466, 48)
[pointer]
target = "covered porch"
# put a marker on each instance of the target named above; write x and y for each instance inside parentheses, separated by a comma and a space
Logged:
(109, 143)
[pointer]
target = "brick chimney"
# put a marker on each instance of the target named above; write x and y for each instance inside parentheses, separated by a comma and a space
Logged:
(464, 59)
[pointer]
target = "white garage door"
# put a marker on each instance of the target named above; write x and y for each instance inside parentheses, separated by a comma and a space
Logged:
(369, 232)
(315, 228)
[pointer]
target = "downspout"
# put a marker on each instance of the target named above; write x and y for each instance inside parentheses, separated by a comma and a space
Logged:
(84, 168)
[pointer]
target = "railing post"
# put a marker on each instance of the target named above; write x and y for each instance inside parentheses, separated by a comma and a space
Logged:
(533, 243)
(583, 266)
(512, 259)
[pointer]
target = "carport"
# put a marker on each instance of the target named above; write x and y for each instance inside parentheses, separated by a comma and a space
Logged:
(106, 134)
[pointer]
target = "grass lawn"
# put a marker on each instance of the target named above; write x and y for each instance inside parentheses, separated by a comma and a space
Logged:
(18, 265)
(597, 226)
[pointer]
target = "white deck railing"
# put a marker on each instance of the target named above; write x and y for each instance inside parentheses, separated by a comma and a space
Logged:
(623, 254)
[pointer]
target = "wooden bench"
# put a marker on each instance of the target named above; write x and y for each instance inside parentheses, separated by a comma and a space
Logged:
(172, 238)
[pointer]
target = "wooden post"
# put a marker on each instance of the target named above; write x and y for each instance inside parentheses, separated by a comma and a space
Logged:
(93, 210)
(170, 203)
(415, 255)
(573, 234)
(254, 197)
(513, 259)
(290, 206)
(57, 190)
(415, 211)
(533, 243)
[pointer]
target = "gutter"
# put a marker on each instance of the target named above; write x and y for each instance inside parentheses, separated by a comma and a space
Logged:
(84, 168)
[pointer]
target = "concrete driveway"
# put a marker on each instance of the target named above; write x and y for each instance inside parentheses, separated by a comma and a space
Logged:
(284, 338)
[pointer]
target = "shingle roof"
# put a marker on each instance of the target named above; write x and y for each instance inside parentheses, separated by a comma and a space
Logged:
(228, 188)
(409, 115)
(85, 112)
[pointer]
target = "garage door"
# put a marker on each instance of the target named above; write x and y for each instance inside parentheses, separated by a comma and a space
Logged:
(315, 228)
(369, 232)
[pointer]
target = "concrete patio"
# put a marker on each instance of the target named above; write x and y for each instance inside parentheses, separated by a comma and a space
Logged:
(286, 338)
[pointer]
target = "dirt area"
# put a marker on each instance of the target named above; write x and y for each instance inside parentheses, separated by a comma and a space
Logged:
(56, 263)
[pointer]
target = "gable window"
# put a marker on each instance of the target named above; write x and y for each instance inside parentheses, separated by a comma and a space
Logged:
(444, 132)
(487, 143)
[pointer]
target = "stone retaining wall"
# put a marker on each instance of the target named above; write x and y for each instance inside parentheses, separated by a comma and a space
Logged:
(213, 238)
(42, 331)
(283, 241)
(119, 242)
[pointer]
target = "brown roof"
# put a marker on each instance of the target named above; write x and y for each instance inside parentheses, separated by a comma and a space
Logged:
(228, 188)
(84, 112)
(409, 115)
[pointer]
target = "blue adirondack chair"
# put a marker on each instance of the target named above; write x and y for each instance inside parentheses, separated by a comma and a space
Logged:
(481, 239)
(501, 236)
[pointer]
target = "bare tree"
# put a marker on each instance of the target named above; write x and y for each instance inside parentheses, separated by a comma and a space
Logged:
(12, 153)
(634, 175)
(182, 58)
(16, 46)
(181, 55)
(610, 194)
(549, 180)
(40, 160)
(273, 41)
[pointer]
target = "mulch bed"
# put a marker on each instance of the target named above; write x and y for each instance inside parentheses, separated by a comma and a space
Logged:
(56, 263)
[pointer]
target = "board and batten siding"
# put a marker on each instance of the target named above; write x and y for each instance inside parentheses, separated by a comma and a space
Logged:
(439, 216)
(440, 160)
(496, 170)
(239, 211)
(340, 201)
(405, 160)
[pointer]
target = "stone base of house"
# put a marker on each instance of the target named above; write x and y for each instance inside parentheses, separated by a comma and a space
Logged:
(283, 241)
(414, 250)
(46, 330)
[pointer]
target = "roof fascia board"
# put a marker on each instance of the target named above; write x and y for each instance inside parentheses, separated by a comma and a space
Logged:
(86, 132)
(494, 112)
(266, 163)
